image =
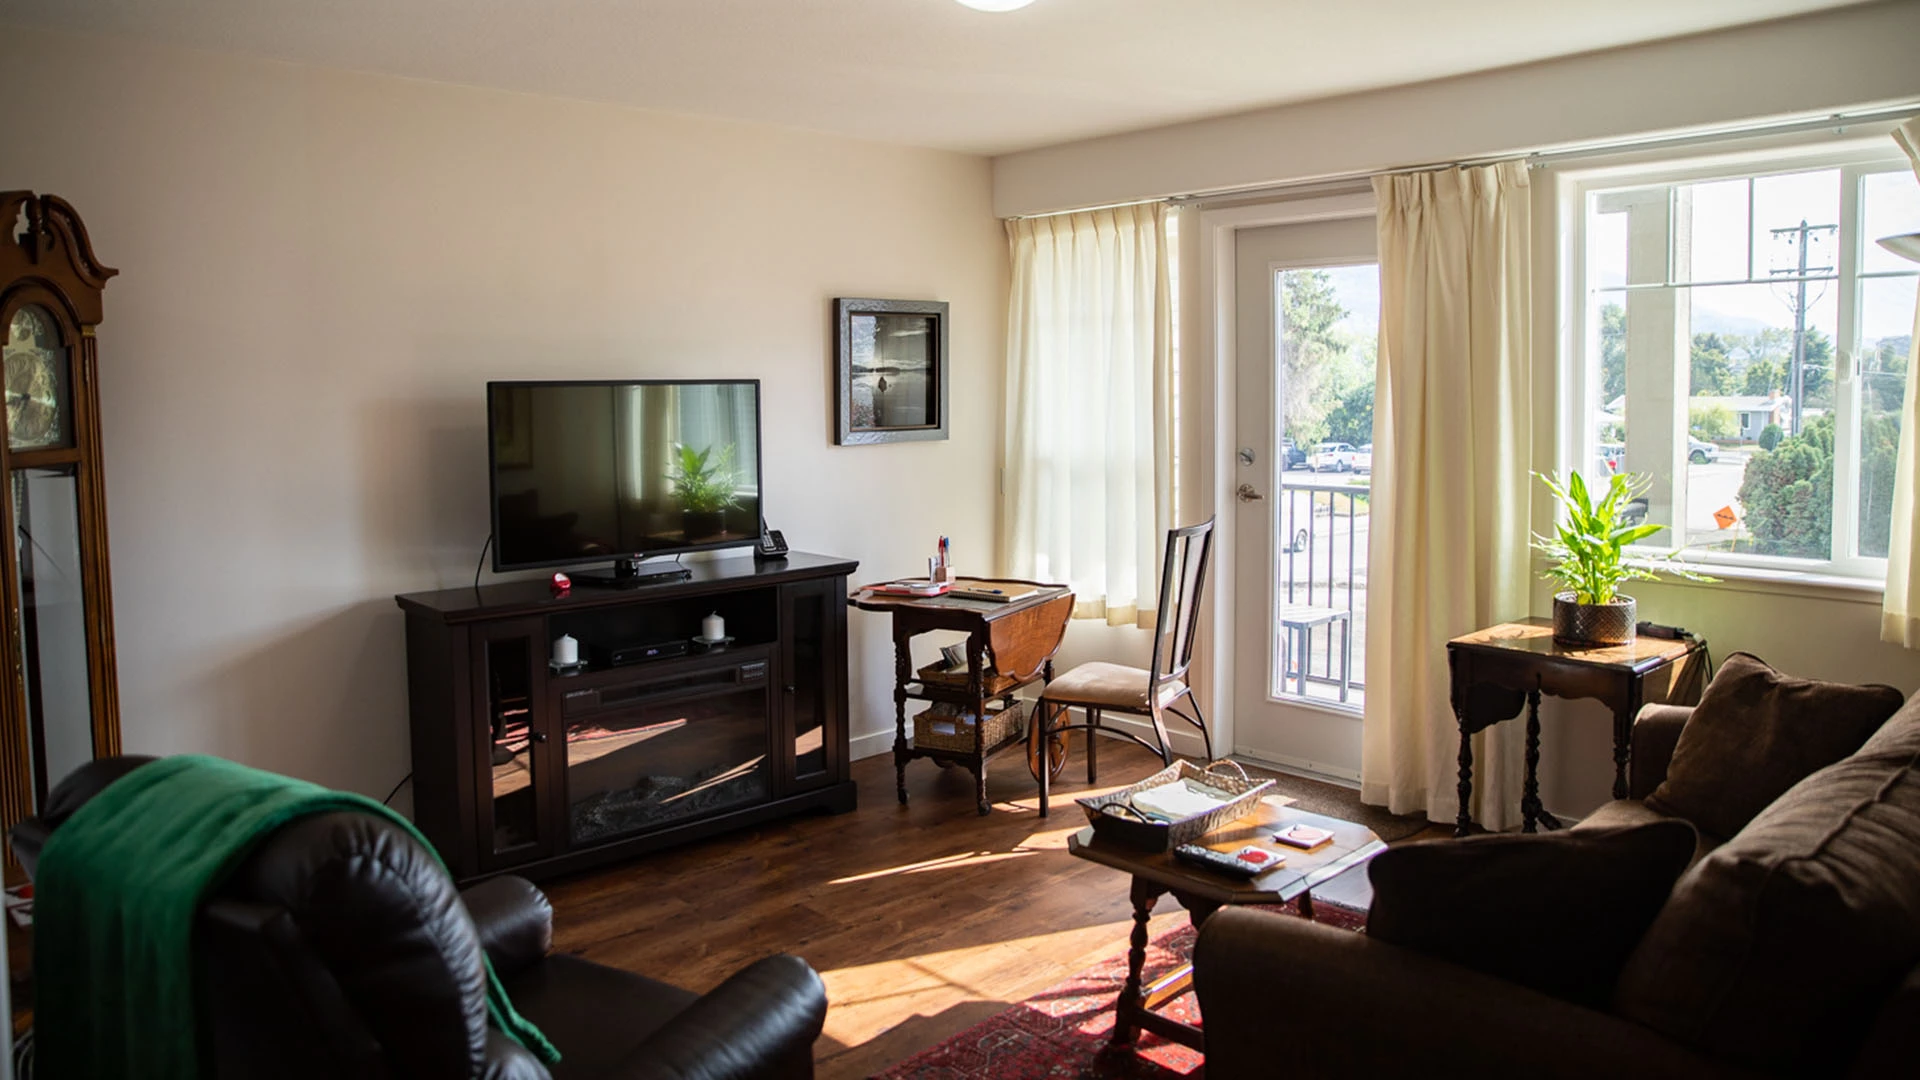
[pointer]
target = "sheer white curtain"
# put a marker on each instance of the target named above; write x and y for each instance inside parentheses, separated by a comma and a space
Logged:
(1089, 382)
(1900, 616)
(1452, 434)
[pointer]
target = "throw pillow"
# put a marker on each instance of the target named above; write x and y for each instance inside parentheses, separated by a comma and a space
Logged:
(1757, 733)
(1559, 912)
(1779, 948)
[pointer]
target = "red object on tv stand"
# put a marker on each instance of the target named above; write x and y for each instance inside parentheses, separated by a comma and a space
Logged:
(562, 584)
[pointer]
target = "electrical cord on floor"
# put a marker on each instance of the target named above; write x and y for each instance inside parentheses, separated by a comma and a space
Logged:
(477, 567)
(388, 801)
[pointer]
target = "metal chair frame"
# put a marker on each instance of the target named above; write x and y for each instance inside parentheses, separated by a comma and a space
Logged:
(1176, 623)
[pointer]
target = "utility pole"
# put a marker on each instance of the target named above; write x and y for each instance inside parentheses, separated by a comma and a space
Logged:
(1797, 372)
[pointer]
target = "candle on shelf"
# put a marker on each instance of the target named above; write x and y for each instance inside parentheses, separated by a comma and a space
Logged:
(566, 650)
(713, 627)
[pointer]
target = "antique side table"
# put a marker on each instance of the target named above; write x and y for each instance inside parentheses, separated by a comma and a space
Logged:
(1202, 892)
(1021, 637)
(1498, 670)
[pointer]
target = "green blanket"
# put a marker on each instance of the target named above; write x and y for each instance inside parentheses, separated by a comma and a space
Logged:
(114, 907)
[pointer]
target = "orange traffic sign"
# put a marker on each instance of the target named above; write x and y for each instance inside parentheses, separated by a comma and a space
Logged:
(1725, 517)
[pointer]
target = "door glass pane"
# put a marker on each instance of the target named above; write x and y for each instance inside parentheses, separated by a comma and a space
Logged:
(509, 694)
(1327, 324)
(39, 408)
(53, 639)
(682, 744)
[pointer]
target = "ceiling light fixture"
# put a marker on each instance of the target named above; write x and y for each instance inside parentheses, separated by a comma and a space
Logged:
(996, 5)
(1905, 245)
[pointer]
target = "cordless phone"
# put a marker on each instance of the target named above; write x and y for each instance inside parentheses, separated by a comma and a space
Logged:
(771, 544)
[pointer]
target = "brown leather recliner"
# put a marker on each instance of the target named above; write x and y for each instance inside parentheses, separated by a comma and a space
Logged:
(341, 948)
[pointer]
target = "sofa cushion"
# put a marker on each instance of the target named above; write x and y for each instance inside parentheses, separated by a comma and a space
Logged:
(1778, 949)
(1558, 912)
(1757, 733)
(1626, 813)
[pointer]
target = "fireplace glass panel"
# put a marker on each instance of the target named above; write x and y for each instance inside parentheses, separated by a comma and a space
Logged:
(650, 763)
(509, 693)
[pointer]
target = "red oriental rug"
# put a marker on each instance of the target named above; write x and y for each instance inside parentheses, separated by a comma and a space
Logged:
(1061, 1033)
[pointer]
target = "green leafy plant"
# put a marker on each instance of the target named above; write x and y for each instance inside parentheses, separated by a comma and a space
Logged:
(1588, 549)
(703, 481)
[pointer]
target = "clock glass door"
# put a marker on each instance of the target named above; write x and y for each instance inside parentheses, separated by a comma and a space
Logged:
(53, 629)
(43, 478)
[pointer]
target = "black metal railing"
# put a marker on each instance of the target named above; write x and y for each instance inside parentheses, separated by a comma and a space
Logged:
(1322, 557)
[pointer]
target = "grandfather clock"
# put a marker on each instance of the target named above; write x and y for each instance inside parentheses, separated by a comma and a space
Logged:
(58, 704)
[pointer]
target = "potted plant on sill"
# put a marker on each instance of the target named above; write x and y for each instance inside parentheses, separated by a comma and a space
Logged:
(704, 483)
(1589, 557)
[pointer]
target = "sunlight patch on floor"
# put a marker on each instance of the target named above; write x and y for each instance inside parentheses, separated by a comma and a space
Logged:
(945, 862)
(869, 999)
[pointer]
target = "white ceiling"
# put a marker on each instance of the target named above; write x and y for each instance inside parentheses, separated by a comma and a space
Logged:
(921, 72)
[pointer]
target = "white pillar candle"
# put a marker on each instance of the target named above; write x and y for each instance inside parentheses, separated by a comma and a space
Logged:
(713, 627)
(566, 650)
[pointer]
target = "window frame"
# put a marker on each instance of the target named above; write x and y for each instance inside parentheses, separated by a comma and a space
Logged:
(1579, 370)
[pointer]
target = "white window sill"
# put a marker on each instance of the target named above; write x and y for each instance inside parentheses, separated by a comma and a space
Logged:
(1755, 579)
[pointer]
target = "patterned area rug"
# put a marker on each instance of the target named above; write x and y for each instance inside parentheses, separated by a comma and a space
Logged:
(1061, 1033)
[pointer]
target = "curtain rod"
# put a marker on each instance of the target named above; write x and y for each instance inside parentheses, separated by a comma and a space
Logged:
(1548, 155)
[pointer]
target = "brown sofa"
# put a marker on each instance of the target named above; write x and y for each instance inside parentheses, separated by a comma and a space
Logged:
(1790, 948)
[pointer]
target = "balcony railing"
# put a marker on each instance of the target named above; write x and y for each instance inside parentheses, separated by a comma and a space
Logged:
(1320, 621)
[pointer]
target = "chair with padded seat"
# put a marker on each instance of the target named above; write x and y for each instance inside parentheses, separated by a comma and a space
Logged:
(340, 947)
(1099, 687)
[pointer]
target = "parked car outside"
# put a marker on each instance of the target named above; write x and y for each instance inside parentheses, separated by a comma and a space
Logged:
(1332, 457)
(1699, 451)
(1363, 459)
(1291, 456)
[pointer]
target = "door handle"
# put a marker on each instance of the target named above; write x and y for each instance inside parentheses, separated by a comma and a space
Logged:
(538, 736)
(1247, 494)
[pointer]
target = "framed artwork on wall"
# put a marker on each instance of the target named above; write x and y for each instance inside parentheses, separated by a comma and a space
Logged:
(891, 358)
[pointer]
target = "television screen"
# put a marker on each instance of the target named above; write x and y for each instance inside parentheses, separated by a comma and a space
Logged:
(592, 471)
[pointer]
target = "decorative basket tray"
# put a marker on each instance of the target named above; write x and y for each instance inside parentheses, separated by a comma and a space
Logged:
(1114, 817)
(944, 727)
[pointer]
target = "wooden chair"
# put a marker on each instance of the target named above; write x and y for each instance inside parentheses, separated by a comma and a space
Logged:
(1101, 687)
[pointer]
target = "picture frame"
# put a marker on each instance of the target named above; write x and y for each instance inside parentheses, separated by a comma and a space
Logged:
(891, 377)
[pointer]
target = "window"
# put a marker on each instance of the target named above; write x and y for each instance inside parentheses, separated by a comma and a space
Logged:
(1745, 349)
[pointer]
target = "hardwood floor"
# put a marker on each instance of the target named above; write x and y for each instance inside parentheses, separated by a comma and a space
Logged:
(922, 919)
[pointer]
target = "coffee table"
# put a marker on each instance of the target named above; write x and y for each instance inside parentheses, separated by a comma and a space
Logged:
(1202, 892)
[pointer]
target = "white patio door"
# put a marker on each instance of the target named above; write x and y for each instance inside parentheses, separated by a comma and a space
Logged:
(1307, 308)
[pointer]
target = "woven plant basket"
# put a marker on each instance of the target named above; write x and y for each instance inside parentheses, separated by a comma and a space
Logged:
(1593, 624)
(1114, 817)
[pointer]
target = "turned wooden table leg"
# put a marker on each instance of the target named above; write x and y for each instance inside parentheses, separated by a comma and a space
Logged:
(1464, 822)
(977, 694)
(1145, 894)
(902, 674)
(1530, 784)
(1623, 736)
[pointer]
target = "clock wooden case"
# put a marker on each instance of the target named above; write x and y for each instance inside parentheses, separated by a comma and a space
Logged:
(59, 706)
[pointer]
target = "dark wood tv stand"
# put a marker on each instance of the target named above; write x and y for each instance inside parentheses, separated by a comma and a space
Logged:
(520, 768)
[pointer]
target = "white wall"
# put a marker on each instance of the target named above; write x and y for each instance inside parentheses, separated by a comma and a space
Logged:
(319, 272)
(1813, 64)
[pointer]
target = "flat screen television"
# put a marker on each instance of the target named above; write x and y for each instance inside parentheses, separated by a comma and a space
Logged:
(590, 471)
